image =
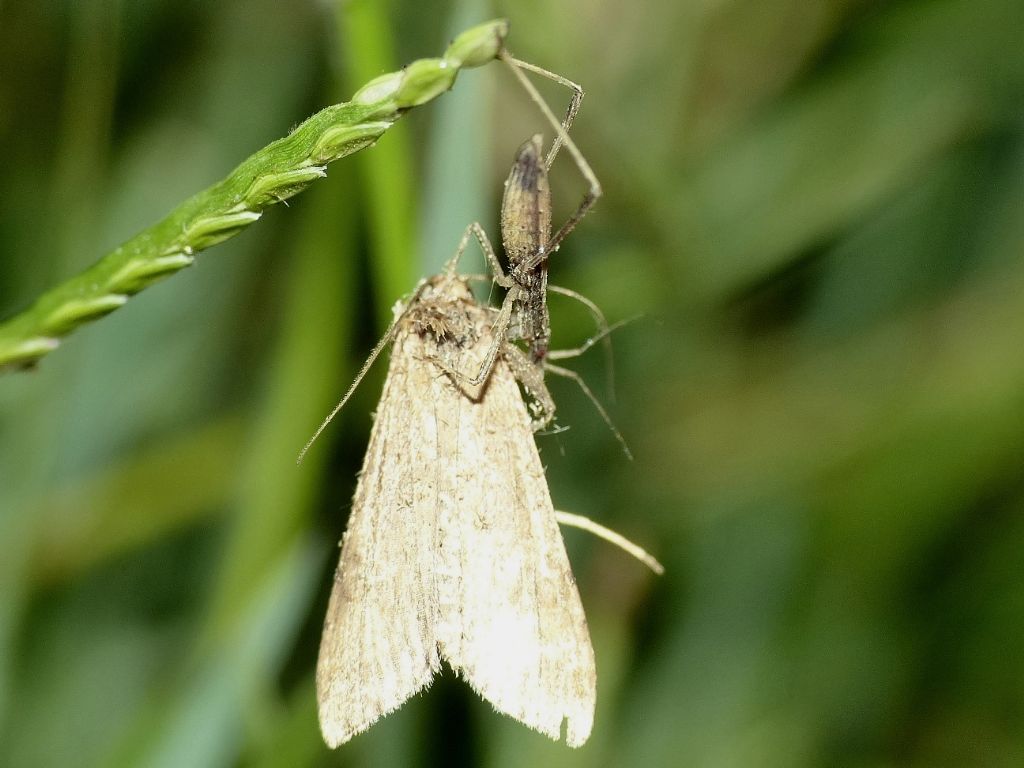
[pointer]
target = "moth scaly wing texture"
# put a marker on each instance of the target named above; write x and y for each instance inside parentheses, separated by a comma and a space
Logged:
(511, 621)
(379, 646)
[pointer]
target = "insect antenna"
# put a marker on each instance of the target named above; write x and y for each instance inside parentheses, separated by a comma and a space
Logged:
(386, 339)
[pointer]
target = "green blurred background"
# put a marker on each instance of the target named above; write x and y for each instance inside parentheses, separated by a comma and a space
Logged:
(816, 205)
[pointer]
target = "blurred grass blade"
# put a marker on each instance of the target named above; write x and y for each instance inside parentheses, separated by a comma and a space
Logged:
(136, 501)
(201, 724)
(274, 497)
(456, 188)
(387, 173)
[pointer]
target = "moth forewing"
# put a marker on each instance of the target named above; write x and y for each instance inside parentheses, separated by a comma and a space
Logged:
(453, 549)
(515, 624)
(379, 644)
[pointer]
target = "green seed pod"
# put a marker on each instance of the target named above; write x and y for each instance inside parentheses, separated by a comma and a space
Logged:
(140, 273)
(275, 187)
(73, 313)
(379, 89)
(343, 140)
(476, 46)
(424, 80)
(211, 230)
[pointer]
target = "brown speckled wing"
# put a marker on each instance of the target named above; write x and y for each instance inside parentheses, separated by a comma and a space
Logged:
(510, 617)
(452, 549)
(379, 644)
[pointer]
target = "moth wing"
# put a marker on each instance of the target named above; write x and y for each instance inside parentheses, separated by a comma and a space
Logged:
(511, 621)
(379, 643)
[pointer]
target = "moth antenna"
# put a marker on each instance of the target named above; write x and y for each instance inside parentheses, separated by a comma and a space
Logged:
(384, 341)
(620, 541)
(570, 374)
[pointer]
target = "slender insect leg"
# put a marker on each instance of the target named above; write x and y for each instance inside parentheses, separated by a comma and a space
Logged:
(603, 332)
(589, 197)
(570, 113)
(488, 250)
(499, 331)
(602, 335)
(531, 376)
(569, 374)
(595, 311)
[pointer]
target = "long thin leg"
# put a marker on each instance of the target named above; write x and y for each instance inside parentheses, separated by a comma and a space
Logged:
(589, 197)
(569, 374)
(595, 311)
(604, 332)
(478, 277)
(498, 331)
(570, 113)
(488, 250)
(531, 376)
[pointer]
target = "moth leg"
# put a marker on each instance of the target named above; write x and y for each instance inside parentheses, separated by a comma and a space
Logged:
(612, 537)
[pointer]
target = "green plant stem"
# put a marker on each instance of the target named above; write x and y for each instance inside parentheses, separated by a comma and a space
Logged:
(271, 175)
